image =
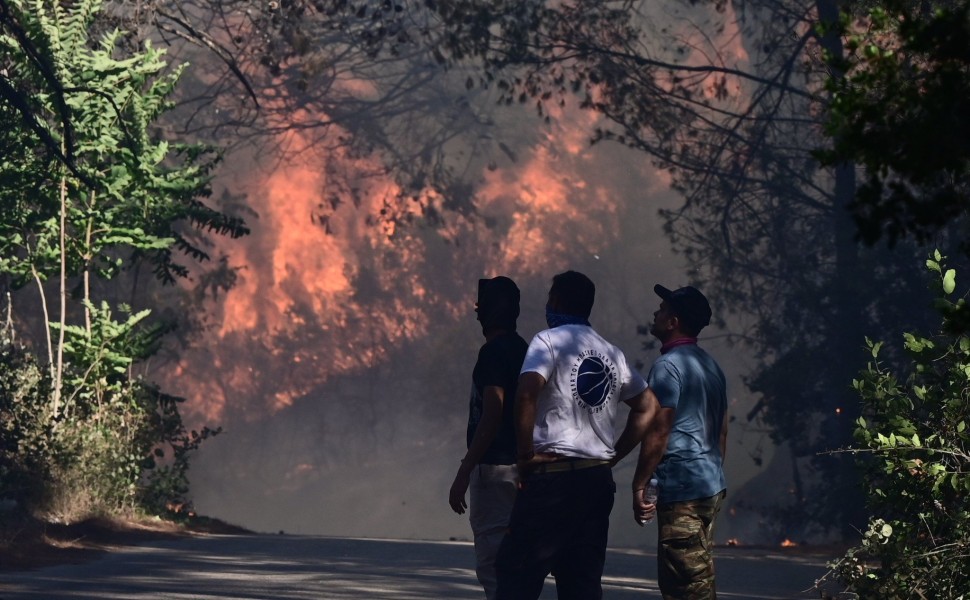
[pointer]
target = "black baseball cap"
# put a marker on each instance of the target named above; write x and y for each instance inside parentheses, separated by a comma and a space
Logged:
(689, 304)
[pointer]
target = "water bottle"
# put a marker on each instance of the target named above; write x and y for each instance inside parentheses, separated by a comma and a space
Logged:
(650, 494)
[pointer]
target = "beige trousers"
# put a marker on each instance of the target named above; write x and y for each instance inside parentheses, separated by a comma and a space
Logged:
(492, 493)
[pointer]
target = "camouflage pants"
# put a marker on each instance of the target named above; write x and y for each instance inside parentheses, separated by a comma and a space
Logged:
(685, 560)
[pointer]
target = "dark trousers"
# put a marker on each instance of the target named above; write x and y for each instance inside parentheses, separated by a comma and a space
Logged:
(559, 525)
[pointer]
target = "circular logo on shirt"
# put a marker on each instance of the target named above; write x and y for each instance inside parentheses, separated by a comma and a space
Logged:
(593, 380)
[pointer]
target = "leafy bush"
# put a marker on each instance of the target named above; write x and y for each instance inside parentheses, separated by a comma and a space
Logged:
(25, 424)
(165, 483)
(118, 445)
(90, 189)
(131, 455)
(914, 440)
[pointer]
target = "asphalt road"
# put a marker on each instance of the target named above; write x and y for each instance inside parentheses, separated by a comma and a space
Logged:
(284, 567)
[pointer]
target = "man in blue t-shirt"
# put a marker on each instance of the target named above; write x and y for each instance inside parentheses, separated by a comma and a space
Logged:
(489, 465)
(685, 447)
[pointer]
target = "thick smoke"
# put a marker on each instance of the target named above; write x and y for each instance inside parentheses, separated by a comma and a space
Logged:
(339, 364)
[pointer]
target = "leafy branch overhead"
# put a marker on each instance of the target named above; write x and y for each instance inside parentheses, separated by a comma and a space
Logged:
(901, 112)
(74, 107)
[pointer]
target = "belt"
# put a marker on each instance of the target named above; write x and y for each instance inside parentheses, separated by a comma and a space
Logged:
(560, 466)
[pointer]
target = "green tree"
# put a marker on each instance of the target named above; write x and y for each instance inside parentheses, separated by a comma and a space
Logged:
(913, 440)
(901, 113)
(88, 189)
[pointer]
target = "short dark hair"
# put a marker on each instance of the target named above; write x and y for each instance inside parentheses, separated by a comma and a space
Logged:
(498, 303)
(575, 293)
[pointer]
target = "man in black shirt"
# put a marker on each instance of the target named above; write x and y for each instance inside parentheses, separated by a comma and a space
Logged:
(489, 464)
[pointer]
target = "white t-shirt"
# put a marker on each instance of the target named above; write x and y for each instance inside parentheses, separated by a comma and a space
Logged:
(586, 377)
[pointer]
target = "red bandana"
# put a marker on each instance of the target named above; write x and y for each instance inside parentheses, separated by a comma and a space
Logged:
(678, 342)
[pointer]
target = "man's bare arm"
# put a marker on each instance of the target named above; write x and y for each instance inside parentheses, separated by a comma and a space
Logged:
(643, 409)
(493, 398)
(651, 453)
(492, 402)
(653, 447)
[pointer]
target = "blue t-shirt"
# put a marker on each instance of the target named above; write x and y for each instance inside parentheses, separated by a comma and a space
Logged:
(688, 380)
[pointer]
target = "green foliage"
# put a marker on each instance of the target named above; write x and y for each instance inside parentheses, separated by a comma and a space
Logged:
(25, 423)
(900, 111)
(131, 452)
(118, 444)
(107, 349)
(914, 440)
(89, 187)
(125, 190)
(165, 484)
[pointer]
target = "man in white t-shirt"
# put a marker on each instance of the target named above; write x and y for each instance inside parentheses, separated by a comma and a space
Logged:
(571, 383)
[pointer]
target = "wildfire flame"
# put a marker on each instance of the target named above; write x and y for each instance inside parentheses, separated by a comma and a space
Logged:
(329, 285)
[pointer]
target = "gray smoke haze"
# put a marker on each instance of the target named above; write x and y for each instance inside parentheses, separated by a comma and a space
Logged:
(340, 363)
(370, 450)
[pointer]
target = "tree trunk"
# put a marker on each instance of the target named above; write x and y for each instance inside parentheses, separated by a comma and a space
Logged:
(62, 282)
(847, 323)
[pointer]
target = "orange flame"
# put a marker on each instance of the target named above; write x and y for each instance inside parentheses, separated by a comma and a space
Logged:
(298, 315)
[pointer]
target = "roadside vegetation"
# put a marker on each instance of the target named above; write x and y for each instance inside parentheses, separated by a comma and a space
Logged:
(90, 191)
(912, 442)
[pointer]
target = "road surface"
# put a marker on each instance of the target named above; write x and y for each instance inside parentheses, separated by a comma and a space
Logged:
(287, 567)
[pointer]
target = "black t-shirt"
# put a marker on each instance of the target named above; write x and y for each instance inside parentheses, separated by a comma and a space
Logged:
(499, 361)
